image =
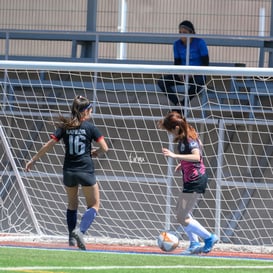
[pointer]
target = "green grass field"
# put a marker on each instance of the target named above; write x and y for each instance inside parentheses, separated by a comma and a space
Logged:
(34, 260)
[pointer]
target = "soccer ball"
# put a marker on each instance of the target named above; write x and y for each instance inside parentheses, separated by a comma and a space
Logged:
(167, 241)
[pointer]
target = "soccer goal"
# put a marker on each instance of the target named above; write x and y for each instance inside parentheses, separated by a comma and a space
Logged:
(232, 112)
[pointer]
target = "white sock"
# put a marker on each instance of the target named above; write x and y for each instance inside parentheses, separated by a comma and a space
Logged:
(196, 228)
(192, 236)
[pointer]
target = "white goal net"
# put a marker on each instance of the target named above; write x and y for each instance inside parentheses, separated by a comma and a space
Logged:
(234, 117)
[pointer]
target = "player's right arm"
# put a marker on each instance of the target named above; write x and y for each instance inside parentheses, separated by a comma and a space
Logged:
(46, 147)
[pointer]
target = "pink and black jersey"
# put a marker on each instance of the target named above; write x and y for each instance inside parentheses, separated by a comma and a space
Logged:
(192, 171)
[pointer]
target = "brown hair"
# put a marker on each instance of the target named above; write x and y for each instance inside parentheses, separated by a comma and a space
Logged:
(79, 105)
(173, 120)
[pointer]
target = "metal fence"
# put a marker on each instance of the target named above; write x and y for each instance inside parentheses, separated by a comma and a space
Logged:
(238, 18)
(233, 17)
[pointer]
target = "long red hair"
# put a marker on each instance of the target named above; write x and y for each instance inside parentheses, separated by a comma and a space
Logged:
(174, 120)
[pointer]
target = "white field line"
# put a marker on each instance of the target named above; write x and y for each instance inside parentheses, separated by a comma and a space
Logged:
(130, 267)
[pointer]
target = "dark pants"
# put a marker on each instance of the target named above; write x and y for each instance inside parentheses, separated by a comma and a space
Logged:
(168, 82)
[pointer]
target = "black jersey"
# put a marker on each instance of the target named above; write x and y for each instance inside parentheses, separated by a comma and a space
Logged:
(78, 146)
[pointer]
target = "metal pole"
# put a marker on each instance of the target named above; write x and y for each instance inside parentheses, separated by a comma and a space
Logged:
(261, 21)
(20, 182)
(270, 61)
(169, 186)
(261, 33)
(186, 83)
(220, 154)
(122, 20)
(89, 48)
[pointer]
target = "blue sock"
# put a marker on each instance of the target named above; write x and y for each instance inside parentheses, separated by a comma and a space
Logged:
(71, 219)
(87, 219)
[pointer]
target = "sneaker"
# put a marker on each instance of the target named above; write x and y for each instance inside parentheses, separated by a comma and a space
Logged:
(78, 235)
(194, 248)
(209, 243)
(71, 241)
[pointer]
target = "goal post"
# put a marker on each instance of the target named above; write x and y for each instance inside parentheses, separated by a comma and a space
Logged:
(14, 170)
(232, 113)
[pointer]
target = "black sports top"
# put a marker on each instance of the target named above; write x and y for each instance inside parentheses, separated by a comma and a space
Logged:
(78, 146)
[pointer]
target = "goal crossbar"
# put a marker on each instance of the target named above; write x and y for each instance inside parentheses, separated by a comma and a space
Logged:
(137, 68)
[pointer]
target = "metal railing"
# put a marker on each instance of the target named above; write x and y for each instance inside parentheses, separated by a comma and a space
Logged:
(85, 46)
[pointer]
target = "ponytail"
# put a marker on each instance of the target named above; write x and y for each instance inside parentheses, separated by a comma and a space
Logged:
(79, 105)
(174, 120)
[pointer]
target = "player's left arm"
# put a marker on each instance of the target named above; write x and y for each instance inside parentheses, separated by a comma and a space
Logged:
(194, 156)
(103, 147)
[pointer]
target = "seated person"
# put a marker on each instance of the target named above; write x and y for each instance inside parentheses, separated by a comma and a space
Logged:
(199, 56)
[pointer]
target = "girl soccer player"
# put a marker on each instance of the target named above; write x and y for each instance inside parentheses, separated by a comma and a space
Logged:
(194, 180)
(78, 168)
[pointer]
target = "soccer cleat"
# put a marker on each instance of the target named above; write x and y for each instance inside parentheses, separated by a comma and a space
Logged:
(78, 235)
(209, 243)
(71, 241)
(194, 248)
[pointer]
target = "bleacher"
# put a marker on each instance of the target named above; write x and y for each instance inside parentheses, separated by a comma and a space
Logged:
(85, 45)
(81, 42)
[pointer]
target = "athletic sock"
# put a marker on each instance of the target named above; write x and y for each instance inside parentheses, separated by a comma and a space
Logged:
(192, 236)
(87, 219)
(196, 228)
(71, 219)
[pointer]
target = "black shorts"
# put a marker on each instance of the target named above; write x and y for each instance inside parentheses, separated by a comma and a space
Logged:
(198, 186)
(72, 179)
